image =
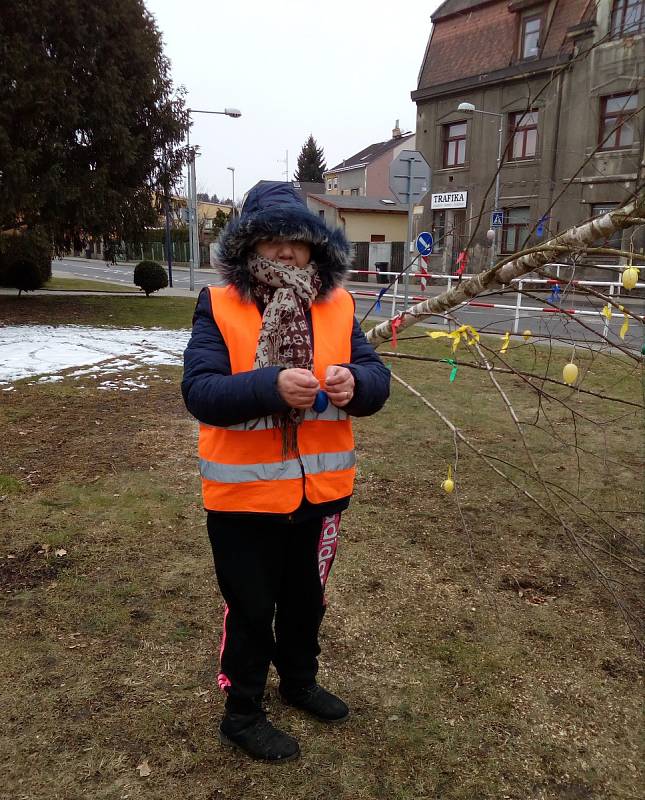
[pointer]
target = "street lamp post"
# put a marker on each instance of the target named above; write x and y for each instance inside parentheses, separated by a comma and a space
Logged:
(192, 193)
(233, 211)
(470, 109)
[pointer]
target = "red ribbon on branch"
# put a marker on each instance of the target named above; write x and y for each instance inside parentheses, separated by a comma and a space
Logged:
(396, 324)
(462, 262)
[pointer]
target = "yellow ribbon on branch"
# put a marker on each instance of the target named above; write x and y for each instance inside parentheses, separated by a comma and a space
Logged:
(606, 312)
(466, 332)
(506, 338)
(625, 326)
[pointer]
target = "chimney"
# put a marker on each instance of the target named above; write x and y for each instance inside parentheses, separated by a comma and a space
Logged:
(396, 131)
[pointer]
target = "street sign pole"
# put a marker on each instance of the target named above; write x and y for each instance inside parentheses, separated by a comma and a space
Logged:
(406, 282)
(409, 182)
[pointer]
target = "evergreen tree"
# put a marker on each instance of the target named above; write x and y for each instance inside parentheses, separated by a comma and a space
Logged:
(91, 129)
(311, 162)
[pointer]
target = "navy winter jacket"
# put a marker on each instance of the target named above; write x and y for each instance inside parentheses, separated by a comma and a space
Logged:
(216, 397)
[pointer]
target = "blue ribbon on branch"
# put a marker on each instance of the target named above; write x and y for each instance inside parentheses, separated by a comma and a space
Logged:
(540, 228)
(554, 297)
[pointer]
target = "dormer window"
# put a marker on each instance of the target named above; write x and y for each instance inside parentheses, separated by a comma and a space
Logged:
(530, 37)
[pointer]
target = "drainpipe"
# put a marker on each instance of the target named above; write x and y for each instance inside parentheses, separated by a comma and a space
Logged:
(556, 136)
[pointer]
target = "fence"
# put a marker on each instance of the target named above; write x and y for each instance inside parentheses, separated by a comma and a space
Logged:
(379, 256)
(612, 288)
(156, 251)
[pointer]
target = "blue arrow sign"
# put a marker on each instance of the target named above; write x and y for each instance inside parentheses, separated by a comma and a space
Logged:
(497, 219)
(425, 243)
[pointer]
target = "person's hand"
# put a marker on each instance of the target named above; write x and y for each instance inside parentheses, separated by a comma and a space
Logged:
(339, 385)
(298, 387)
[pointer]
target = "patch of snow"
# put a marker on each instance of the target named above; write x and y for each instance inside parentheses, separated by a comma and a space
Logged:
(27, 351)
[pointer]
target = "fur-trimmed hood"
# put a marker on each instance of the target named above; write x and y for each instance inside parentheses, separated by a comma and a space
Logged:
(274, 210)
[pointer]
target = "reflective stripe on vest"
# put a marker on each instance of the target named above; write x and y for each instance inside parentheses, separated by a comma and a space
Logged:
(277, 470)
(241, 465)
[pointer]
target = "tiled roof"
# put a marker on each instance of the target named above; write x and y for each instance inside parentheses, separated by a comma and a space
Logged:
(471, 37)
(370, 153)
(359, 203)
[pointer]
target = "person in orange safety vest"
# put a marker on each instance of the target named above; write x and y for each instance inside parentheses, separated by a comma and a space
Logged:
(276, 367)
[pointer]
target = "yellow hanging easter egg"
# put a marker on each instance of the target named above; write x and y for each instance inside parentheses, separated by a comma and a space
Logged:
(448, 485)
(629, 277)
(527, 335)
(570, 374)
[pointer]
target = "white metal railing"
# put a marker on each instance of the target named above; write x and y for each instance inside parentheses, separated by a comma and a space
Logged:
(611, 288)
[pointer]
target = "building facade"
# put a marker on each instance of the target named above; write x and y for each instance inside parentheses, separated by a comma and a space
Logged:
(557, 88)
(367, 173)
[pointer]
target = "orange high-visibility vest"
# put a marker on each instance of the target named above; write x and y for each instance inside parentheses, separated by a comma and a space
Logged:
(242, 467)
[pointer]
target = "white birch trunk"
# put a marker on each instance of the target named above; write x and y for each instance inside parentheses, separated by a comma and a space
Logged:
(575, 239)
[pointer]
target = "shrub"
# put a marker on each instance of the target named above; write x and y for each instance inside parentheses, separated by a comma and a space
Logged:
(25, 260)
(24, 276)
(150, 276)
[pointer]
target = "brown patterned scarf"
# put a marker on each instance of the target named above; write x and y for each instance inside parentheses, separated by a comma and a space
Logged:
(285, 293)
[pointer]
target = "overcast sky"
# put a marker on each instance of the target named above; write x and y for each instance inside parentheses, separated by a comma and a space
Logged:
(342, 70)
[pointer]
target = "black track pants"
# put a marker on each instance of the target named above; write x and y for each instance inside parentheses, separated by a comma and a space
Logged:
(271, 575)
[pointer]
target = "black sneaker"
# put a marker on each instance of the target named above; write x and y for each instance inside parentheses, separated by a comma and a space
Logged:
(257, 737)
(318, 702)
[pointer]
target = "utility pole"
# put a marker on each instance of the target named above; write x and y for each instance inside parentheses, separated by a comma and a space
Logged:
(193, 222)
(168, 241)
(285, 161)
(233, 209)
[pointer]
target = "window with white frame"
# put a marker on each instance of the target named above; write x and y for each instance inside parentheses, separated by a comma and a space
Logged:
(530, 36)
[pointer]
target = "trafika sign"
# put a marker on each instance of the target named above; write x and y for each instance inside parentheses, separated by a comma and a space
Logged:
(449, 200)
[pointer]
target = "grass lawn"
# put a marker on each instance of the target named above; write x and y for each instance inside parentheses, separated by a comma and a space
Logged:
(81, 284)
(479, 657)
(139, 310)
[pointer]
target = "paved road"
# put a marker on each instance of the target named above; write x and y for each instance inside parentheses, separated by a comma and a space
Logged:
(123, 273)
(492, 320)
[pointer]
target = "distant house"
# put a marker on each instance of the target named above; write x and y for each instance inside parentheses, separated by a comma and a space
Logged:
(363, 219)
(377, 228)
(366, 174)
(206, 212)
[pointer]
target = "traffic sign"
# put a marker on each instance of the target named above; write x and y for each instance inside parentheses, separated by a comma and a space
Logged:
(497, 219)
(409, 176)
(425, 243)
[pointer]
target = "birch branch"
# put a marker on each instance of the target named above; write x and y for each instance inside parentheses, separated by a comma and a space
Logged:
(519, 373)
(576, 238)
